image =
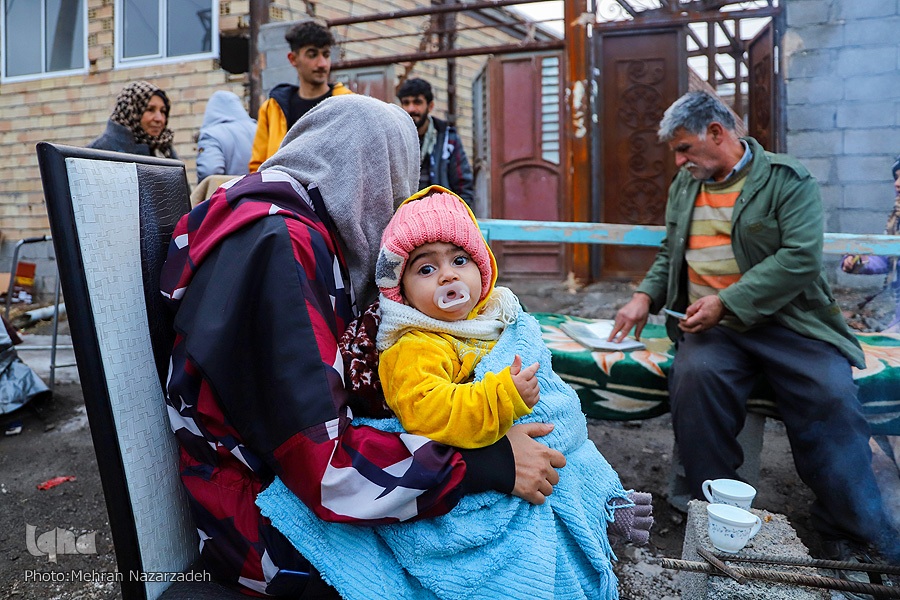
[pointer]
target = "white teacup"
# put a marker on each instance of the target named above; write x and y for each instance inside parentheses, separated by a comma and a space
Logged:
(730, 527)
(729, 491)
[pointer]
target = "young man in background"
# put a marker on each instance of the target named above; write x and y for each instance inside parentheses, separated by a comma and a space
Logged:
(310, 54)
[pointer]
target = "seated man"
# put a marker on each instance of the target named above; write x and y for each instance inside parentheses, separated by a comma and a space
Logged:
(743, 259)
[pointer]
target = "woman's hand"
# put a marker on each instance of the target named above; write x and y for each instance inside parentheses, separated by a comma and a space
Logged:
(536, 463)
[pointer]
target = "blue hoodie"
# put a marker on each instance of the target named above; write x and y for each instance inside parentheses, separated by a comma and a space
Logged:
(226, 137)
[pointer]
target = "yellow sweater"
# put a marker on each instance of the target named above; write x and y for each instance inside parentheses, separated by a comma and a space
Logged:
(427, 380)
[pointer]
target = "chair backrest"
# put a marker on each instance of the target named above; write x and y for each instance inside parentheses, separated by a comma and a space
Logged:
(112, 216)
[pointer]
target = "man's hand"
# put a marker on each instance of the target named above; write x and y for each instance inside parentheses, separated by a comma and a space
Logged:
(702, 315)
(525, 381)
(536, 463)
(634, 314)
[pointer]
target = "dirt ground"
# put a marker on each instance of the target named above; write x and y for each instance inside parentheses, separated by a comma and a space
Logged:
(55, 441)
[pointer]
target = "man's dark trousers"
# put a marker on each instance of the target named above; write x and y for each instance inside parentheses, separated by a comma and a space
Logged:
(711, 378)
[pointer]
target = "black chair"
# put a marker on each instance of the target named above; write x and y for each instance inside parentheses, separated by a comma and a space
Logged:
(112, 216)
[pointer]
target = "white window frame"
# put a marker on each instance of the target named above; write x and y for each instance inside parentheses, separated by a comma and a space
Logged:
(43, 42)
(160, 58)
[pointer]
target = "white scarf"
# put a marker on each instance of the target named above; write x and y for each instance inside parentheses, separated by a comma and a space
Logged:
(501, 309)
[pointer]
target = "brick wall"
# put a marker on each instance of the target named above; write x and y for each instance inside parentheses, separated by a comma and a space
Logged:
(842, 79)
(73, 110)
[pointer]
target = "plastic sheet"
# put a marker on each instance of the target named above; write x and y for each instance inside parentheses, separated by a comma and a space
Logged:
(19, 384)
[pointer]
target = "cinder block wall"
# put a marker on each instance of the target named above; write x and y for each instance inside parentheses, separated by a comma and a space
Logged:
(841, 67)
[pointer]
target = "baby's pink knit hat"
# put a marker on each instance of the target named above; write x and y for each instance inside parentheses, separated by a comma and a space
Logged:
(439, 217)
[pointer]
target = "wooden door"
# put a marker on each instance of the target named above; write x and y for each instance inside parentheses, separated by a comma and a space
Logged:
(526, 179)
(762, 115)
(377, 82)
(641, 74)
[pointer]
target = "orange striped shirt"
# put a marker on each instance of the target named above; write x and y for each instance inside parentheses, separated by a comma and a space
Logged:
(709, 255)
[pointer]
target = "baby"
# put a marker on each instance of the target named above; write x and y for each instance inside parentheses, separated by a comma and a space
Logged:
(441, 314)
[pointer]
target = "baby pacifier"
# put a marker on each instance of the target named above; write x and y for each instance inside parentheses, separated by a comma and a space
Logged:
(451, 295)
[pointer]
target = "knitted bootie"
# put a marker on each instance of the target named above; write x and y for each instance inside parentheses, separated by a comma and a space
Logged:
(633, 523)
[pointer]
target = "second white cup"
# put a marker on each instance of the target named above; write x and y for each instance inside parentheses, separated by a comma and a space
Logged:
(730, 528)
(729, 491)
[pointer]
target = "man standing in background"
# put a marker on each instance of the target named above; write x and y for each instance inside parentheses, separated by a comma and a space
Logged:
(444, 161)
(310, 54)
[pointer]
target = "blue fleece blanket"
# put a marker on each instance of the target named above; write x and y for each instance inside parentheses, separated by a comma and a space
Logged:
(491, 545)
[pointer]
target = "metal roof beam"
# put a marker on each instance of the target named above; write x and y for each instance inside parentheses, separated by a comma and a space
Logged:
(427, 10)
(456, 52)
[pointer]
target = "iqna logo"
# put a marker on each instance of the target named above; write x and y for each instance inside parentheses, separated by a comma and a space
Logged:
(58, 541)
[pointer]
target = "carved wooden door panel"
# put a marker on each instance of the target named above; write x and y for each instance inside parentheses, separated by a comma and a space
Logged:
(525, 150)
(762, 96)
(641, 74)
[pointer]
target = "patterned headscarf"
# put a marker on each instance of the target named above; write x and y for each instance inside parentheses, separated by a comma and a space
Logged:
(130, 106)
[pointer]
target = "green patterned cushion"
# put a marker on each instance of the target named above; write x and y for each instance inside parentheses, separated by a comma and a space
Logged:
(624, 386)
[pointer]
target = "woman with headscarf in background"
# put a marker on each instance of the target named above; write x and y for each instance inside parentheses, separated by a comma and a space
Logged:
(139, 123)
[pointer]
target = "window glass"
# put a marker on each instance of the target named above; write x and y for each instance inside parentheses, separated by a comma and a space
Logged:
(22, 48)
(141, 24)
(550, 134)
(189, 25)
(64, 35)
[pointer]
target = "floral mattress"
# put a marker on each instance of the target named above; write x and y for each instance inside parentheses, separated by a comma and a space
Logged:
(632, 385)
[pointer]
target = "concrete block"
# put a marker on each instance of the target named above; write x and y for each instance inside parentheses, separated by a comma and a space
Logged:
(869, 220)
(868, 196)
(868, 9)
(868, 32)
(868, 87)
(820, 168)
(882, 140)
(824, 89)
(861, 168)
(827, 35)
(802, 117)
(832, 197)
(814, 144)
(867, 60)
(272, 77)
(271, 36)
(812, 12)
(866, 284)
(809, 63)
(775, 538)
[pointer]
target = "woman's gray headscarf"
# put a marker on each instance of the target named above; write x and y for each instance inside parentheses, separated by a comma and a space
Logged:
(363, 155)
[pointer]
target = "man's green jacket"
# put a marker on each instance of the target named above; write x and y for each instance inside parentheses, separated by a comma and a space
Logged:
(776, 234)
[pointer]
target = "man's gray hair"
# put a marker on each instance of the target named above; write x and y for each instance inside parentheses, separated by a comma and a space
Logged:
(693, 112)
